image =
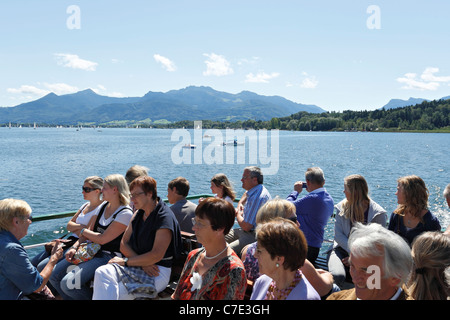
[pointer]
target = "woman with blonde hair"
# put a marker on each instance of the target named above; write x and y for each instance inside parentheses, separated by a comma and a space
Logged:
(106, 228)
(431, 255)
(356, 207)
(18, 277)
(412, 216)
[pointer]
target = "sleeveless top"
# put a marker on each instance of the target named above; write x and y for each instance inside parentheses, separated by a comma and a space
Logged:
(113, 245)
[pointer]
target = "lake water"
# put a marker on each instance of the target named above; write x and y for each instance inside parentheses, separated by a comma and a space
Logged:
(46, 167)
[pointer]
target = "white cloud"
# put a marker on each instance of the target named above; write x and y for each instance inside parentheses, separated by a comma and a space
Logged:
(261, 77)
(217, 65)
(309, 83)
(57, 88)
(166, 63)
(251, 61)
(61, 88)
(75, 62)
(26, 89)
(427, 80)
(428, 75)
(101, 90)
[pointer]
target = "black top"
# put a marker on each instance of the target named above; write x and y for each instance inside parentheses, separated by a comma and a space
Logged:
(113, 245)
(144, 232)
(429, 223)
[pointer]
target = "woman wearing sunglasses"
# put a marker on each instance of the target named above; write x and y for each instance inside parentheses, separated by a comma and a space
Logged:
(91, 191)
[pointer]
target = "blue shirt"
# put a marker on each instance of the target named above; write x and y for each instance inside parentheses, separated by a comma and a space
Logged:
(17, 275)
(313, 212)
(256, 197)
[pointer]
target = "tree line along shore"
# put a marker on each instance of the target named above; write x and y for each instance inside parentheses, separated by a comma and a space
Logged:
(429, 116)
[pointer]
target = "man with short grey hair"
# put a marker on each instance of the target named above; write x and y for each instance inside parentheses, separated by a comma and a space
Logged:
(380, 263)
(255, 196)
(313, 210)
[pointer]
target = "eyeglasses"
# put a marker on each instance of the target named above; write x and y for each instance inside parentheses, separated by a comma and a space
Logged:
(199, 224)
(87, 189)
(134, 195)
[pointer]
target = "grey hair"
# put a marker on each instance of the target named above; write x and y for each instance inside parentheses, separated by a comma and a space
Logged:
(256, 172)
(374, 240)
(315, 175)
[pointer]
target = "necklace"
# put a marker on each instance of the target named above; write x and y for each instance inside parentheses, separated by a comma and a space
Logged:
(275, 293)
(210, 258)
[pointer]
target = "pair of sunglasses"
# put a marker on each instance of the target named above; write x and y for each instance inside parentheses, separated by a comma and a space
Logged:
(87, 189)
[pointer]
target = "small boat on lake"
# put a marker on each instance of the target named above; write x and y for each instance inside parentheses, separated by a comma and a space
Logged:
(189, 146)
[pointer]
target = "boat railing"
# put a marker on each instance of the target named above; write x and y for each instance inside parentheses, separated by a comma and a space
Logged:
(66, 214)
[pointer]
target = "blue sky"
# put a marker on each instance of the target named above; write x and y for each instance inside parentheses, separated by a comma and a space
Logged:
(339, 55)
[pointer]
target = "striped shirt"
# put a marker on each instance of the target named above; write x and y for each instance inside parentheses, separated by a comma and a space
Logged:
(256, 197)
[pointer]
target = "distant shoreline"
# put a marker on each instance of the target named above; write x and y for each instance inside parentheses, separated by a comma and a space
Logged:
(103, 126)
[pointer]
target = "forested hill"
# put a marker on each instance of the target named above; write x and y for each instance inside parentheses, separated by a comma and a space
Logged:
(428, 115)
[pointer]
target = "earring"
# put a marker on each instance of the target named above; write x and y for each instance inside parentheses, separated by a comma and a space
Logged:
(277, 265)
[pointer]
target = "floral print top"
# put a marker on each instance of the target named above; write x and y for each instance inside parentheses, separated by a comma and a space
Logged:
(226, 280)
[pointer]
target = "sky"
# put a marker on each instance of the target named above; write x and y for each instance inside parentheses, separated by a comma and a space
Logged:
(338, 55)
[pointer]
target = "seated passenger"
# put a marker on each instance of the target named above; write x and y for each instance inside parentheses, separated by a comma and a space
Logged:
(221, 187)
(412, 216)
(380, 263)
(106, 229)
(431, 256)
(18, 277)
(356, 207)
(213, 272)
(254, 197)
(91, 190)
(134, 172)
(150, 245)
(281, 252)
(183, 209)
(321, 280)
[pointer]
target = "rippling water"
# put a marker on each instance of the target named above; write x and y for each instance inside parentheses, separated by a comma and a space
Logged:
(47, 166)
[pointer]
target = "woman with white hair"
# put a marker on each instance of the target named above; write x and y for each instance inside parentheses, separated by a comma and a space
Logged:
(106, 228)
(380, 264)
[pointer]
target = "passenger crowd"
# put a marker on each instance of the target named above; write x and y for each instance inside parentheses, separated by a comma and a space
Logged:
(125, 243)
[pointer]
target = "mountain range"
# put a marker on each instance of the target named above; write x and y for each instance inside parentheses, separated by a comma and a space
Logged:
(191, 103)
(399, 103)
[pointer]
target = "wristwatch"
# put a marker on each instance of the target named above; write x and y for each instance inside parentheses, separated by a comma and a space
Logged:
(125, 262)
